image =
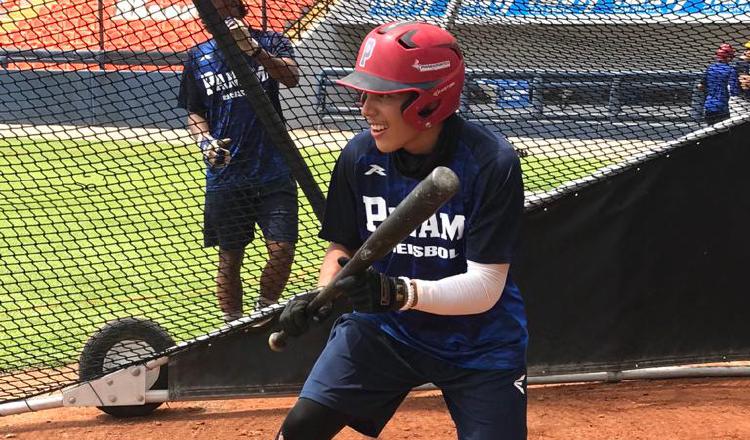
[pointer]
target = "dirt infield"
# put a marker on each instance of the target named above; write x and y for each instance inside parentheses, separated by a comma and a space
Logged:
(684, 409)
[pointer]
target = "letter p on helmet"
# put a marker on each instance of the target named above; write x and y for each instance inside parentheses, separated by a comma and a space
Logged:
(367, 51)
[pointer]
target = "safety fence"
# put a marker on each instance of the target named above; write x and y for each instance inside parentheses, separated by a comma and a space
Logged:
(103, 190)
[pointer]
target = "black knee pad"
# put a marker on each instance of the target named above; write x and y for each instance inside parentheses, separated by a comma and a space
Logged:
(309, 420)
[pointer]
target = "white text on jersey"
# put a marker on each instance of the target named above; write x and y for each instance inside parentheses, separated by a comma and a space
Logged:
(439, 225)
(425, 251)
(222, 82)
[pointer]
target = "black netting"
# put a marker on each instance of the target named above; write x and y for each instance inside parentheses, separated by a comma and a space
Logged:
(102, 188)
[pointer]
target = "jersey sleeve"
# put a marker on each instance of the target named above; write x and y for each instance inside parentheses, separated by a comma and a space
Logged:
(190, 96)
(496, 216)
(282, 47)
(340, 219)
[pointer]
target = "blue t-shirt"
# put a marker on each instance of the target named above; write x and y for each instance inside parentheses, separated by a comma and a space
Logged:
(479, 224)
(720, 81)
(210, 89)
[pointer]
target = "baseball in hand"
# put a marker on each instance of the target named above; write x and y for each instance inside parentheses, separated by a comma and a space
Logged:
(241, 34)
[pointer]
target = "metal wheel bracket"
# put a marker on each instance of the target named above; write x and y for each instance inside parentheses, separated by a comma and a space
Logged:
(123, 387)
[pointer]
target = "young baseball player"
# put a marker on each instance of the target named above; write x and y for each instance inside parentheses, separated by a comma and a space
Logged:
(247, 180)
(442, 308)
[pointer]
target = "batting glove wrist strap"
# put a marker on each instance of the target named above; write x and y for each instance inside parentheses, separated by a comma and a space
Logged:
(372, 292)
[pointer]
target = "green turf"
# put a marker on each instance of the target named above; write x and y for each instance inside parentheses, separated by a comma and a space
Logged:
(91, 231)
(542, 174)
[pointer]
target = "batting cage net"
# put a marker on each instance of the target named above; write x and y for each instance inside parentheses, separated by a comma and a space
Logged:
(104, 195)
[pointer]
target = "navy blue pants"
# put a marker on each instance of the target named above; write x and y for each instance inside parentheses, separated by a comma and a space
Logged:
(230, 215)
(365, 374)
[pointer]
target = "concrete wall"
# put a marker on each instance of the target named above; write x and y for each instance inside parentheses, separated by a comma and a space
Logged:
(135, 99)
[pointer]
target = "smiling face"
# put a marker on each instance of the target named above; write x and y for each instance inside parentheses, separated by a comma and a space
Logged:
(388, 127)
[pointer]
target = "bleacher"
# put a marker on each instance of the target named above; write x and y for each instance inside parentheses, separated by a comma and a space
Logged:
(649, 96)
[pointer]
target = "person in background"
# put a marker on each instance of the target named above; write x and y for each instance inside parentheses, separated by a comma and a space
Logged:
(247, 180)
(719, 82)
(743, 73)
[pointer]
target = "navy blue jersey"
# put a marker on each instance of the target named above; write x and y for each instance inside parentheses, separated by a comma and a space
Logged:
(479, 224)
(720, 81)
(210, 89)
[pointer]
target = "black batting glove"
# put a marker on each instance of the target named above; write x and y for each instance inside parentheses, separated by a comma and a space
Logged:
(372, 292)
(295, 318)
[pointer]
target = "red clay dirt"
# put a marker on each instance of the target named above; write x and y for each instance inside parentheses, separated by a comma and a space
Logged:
(677, 409)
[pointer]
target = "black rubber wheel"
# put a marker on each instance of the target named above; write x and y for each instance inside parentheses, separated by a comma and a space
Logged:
(118, 343)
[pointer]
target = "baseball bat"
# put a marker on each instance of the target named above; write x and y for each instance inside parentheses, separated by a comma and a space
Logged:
(422, 202)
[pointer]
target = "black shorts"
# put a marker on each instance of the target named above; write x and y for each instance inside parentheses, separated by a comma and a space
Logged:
(230, 215)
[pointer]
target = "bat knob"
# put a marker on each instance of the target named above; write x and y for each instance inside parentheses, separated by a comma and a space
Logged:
(277, 341)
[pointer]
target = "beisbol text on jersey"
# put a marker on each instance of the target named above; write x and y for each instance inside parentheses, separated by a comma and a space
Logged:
(446, 226)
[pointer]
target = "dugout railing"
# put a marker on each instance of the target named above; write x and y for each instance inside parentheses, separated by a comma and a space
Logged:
(649, 96)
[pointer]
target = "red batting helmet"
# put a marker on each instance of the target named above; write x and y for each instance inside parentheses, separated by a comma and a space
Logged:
(725, 52)
(412, 57)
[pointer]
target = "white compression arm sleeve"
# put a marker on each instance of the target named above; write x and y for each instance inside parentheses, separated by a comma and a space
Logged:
(469, 293)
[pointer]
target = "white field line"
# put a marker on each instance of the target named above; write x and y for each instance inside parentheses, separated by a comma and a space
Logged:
(312, 141)
(322, 139)
(328, 140)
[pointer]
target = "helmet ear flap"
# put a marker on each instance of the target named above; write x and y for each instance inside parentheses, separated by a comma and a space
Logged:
(413, 97)
(429, 108)
(423, 112)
